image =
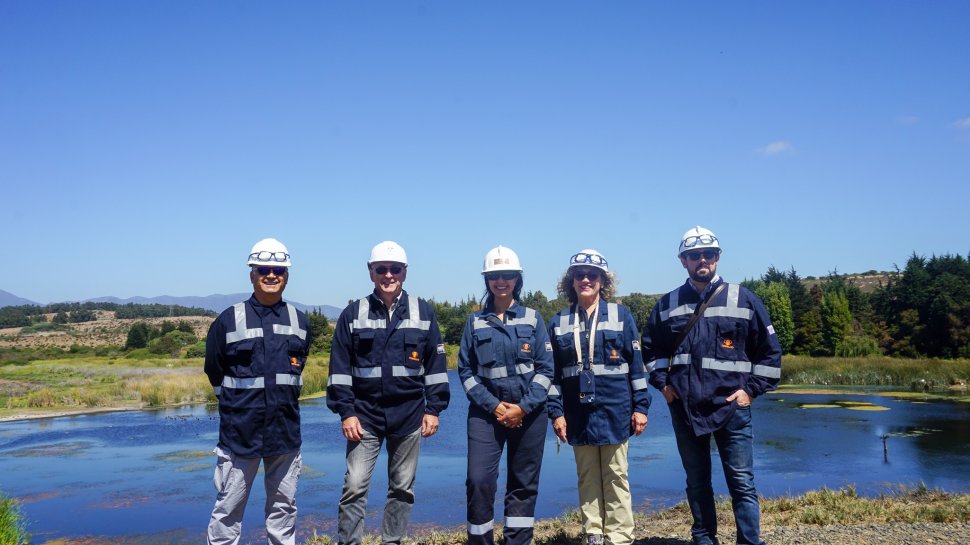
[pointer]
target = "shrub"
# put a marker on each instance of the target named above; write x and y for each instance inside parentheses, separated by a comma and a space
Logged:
(13, 528)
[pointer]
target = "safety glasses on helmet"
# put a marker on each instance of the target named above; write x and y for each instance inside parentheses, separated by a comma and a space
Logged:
(382, 269)
(504, 275)
(264, 271)
(692, 241)
(270, 256)
(696, 254)
(583, 258)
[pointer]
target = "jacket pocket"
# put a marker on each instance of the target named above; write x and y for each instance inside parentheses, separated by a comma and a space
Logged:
(363, 343)
(415, 343)
(729, 342)
(613, 348)
(296, 353)
(525, 344)
(240, 356)
(485, 348)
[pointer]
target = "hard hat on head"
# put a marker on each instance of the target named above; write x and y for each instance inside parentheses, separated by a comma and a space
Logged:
(501, 258)
(589, 257)
(269, 252)
(388, 251)
(697, 238)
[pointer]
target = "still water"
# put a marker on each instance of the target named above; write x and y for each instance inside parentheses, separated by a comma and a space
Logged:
(146, 477)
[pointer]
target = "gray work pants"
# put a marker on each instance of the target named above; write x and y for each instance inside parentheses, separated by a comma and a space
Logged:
(402, 465)
(234, 477)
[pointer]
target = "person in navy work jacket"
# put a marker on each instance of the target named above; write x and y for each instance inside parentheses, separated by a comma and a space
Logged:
(254, 357)
(388, 382)
(599, 395)
(709, 380)
(505, 365)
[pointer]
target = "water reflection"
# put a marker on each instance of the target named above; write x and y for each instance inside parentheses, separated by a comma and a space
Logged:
(146, 477)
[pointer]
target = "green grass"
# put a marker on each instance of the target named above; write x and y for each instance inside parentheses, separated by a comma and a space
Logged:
(12, 524)
(909, 374)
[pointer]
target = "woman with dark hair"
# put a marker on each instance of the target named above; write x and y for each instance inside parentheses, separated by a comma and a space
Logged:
(505, 365)
(599, 395)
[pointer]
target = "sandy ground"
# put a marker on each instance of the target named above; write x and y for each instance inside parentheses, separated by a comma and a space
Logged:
(105, 330)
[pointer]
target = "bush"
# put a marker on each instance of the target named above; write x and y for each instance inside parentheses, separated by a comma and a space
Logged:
(197, 350)
(857, 346)
(139, 354)
(12, 525)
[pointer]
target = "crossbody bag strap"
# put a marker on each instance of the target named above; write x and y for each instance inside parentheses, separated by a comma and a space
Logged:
(698, 312)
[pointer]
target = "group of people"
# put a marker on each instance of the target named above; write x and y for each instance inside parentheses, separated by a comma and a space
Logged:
(708, 347)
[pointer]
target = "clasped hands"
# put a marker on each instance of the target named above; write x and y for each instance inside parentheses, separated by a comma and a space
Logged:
(509, 415)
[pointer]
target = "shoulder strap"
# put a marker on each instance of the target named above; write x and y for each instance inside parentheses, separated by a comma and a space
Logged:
(698, 312)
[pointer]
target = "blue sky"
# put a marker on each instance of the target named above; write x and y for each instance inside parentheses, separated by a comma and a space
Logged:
(145, 146)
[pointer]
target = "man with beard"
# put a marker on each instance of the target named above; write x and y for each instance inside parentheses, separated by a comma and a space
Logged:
(711, 350)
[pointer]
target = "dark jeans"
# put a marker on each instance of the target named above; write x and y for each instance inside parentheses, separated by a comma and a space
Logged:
(735, 445)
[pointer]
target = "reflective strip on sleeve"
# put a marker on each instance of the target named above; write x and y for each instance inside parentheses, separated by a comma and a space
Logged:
(470, 383)
(767, 371)
(289, 380)
(554, 390)
(542, 380)
(436, 378)
(414, 320)
(340, 380)
(241, 333)
(639, 384)
(243, 383)
(480, 529)
(659, 363)
(363, 320)
(367, 372)
(519, 522)
(402, 371)
(771, 329)
(681, 359)
(293, 328)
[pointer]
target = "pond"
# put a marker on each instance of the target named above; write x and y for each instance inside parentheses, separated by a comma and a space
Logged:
(146, 477)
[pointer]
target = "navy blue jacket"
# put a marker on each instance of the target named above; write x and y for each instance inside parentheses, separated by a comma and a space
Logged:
(621, 385)
(254, 358)
(509, 361)
(732, 347)
(388, 371)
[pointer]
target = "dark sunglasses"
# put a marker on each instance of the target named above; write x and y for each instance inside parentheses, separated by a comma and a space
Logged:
(592, 275)
(382, 270)
(696, 254)
(264, 271)
(504, 275)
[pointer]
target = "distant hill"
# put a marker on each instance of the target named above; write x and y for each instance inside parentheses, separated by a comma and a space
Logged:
(8, 299)
(216, 302)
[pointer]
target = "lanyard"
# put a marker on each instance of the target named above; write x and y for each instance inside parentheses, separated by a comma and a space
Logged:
(591, 333)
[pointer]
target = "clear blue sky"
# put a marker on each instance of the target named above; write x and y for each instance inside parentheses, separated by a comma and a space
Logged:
(145, 146)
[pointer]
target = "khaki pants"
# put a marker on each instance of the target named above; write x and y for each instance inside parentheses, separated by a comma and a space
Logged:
(604, 492)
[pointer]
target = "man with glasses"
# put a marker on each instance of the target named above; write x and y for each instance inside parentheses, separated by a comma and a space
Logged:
(254, 357)
(388, 382)
(711, 349)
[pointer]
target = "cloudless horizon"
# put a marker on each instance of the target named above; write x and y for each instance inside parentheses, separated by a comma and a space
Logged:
(145, 147)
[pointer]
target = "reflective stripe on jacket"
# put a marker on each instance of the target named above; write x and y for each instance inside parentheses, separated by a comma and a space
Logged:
(509, 361)
(254, 359)
(731, 347)
(388, 371)
(621, 384)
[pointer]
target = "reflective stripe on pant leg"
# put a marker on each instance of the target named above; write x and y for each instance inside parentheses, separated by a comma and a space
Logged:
(282, 474)
(525, 447)
(233, 480)
(402, 466)
(618, 524)
(590, 488)
(361, 457)
(486, 437)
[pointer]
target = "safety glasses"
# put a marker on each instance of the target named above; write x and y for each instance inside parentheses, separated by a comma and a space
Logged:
(382, 269)
(504, 275)
(690, 242)
(278, 257)
(583, 258)
(592, 275)
(696, 254)
(264, 271)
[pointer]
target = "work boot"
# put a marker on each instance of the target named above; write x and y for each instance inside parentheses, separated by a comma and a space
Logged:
(594, 539)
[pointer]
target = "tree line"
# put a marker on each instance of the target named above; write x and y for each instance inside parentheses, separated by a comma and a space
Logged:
(27, 315)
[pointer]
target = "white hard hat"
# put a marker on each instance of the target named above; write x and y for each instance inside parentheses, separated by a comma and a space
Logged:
(697, 238)
(589, 257)
(269, 252)
(501, 258)
(388, 251)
